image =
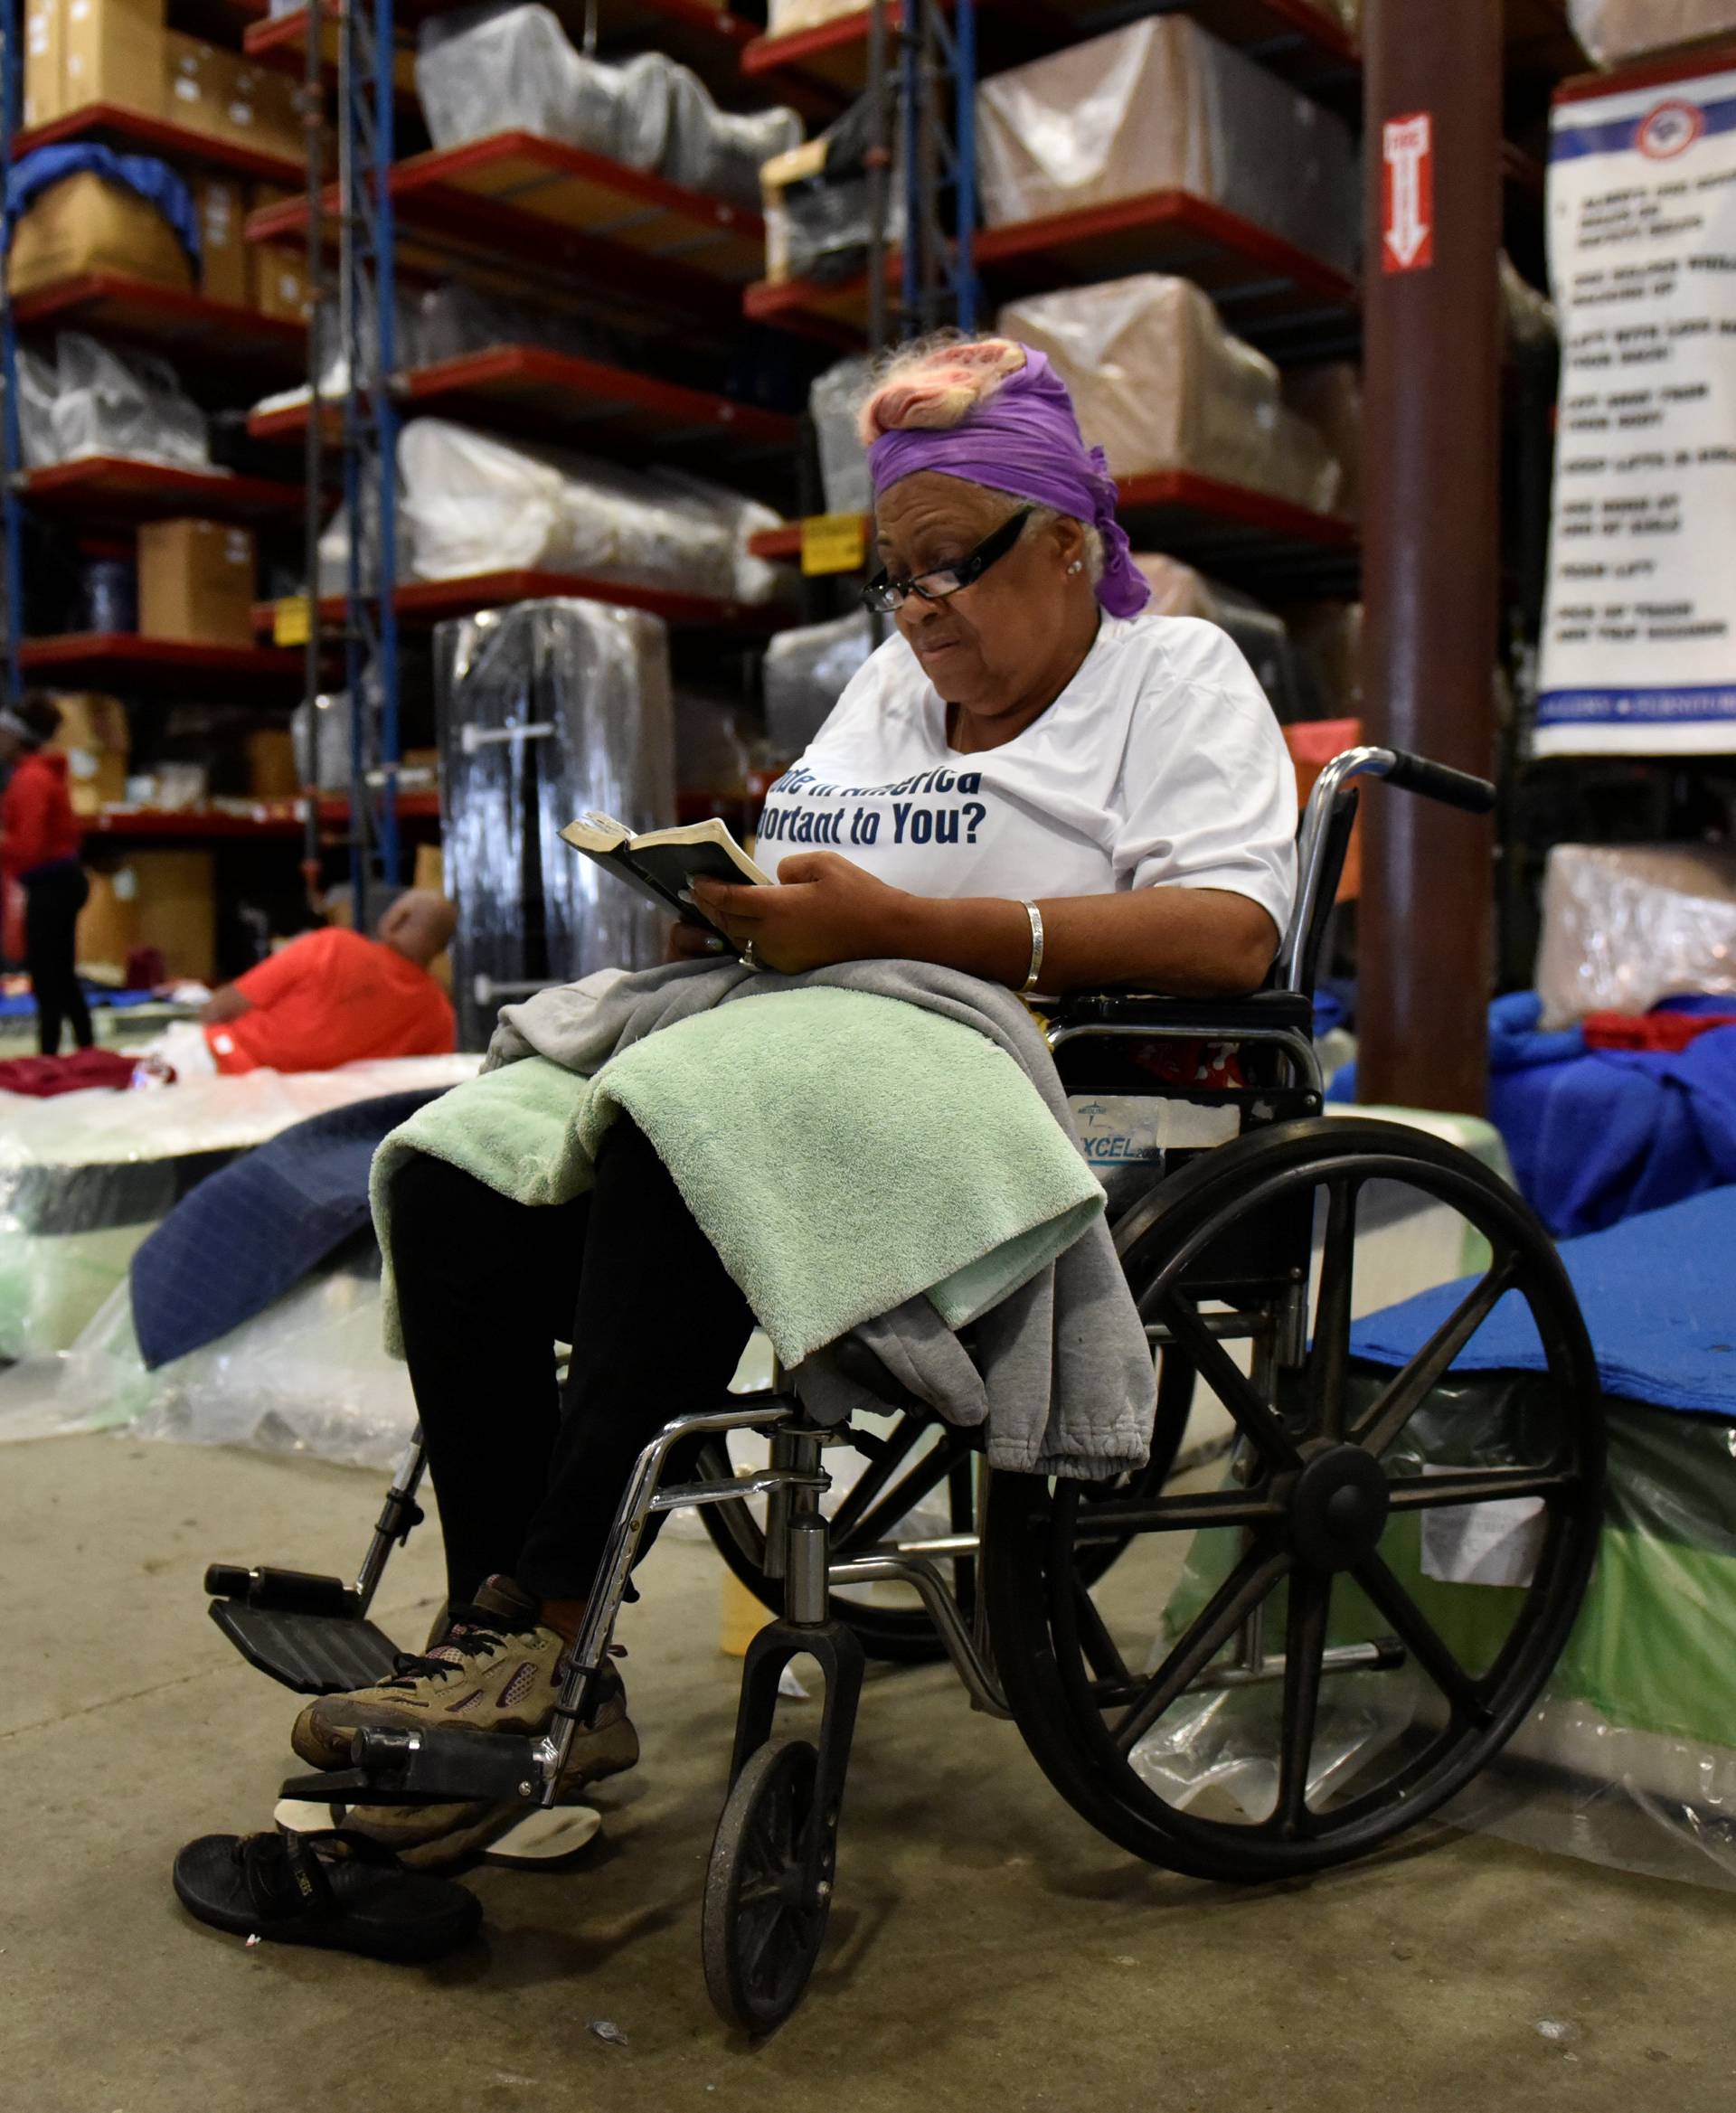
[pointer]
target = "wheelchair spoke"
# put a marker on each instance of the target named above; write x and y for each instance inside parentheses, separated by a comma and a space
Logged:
(928, 1473)
(1305, 1644)
(1329, 1357)
(1177, 1515)
(1228, 1381)
(1245, 1588)
(1098, 1646)
(1400, 1401)
(1428, 1493)
(1419, 1636)
(900, 1444)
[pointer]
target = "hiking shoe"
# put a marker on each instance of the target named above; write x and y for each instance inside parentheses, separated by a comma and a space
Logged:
(497, 1669)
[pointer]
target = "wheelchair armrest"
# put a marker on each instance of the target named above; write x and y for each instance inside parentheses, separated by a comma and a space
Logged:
(1283, 1011)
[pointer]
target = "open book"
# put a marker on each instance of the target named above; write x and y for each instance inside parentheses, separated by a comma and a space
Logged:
(662, 862)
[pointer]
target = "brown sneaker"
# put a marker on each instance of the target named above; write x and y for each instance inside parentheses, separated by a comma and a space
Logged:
(497, 1669)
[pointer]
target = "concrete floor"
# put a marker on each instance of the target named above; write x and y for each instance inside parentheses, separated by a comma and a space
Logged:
(987, 1949)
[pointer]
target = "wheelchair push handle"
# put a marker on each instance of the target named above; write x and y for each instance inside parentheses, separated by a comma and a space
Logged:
(1440, 781)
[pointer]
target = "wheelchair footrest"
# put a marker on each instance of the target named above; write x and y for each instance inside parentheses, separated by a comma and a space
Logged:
(437, 1766)
(315, 1653)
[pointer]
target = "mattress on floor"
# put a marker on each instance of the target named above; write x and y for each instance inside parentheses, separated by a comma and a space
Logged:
(84, 1177)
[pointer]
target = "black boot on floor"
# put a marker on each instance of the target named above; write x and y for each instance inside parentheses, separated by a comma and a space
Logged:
(335, 1889)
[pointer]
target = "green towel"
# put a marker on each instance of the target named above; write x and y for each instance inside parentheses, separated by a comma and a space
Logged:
(843, 1151)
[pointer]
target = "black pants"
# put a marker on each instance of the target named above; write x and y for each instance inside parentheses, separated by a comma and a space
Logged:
(53, 897)
(529, 1475)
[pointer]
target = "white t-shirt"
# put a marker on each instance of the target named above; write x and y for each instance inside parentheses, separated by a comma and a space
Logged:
(1160, 764)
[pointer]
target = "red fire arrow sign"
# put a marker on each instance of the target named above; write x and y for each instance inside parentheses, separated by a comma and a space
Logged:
(1408, 212)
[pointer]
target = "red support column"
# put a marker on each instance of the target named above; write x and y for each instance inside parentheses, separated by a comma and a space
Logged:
(1431, 412)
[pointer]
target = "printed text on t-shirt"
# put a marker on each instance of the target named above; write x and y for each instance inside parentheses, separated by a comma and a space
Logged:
(928, 820)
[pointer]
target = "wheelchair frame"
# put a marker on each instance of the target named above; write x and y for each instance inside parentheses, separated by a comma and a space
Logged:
(286, 1623)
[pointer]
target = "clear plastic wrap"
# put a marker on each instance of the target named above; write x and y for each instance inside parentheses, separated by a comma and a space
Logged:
(1159, 383)
(1329, 400)
(479, 73)
(454, 319)
(105, 403)
(38, 385)
(84, 1177)
(816, 200)
(1614, 30)
(1178, 591)
(1161, 105)
(806, 670)
(474, 503)
(310, 1375)
(719, 152)
(833, 399)
(1626, 924)
(531, 911)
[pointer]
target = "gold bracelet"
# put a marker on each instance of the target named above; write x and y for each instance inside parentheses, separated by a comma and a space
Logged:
(1035, 915)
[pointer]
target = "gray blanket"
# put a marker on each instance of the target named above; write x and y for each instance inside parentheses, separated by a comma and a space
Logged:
(1062, 1374)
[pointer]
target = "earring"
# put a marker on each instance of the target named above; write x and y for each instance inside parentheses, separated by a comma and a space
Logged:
(1077, 566)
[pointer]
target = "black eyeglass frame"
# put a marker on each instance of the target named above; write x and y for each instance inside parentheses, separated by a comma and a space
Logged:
(888, 594)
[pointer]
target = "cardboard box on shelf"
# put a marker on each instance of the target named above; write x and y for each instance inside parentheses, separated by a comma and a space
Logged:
(272, 772)
(96, 741)
(189, 83)
(89, 224)
(112, 53)
(196, 581)
(262, 110)
(278, 271)
(162, 899)
(45, 62)
(219, 204)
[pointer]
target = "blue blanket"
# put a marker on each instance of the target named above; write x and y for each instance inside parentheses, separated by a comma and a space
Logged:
(1659, 1298)
(254, 1230)
(1598, 1136)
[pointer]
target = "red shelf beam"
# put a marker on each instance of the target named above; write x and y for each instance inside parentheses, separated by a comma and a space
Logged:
(532, 206)
(195, 333)
(258, 818)
(1267, 289)
(432, 601)
(1223, 528)
(113, 488)
(119, 660)
(544, 394)
(133, 130)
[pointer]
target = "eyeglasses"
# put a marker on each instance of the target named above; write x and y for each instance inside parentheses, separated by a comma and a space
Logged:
(885, 593)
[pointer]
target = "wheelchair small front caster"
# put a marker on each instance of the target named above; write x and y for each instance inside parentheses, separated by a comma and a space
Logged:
(768, 1887)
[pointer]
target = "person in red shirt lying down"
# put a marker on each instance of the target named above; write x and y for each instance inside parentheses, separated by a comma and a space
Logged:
(334, 997)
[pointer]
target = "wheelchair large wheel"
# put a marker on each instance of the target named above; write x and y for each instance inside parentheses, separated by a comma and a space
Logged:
(920, 1461)
(1279, 1676)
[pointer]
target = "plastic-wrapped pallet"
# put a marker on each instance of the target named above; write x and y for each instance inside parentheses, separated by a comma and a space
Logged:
(806, 671)
(516, 71)
(1330, 400)
(531, 911)
(38, 385)
(1262, 634)
(473, 503)
(479, 74)
(107, 404)
(816, 198)
(1159, 383)
(1624, 925)
(1162, 104)
(1614, 30)
(721, 152)
(833, 399)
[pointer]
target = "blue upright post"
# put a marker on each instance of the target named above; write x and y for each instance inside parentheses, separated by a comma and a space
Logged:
(909, 150)
(964, 104)
(12, 446)
(385, 429)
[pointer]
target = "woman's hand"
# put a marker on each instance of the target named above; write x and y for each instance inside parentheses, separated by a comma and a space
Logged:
(693, 942)
(823, 910)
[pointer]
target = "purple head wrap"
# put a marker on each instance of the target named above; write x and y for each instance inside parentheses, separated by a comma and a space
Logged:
(1025, 440)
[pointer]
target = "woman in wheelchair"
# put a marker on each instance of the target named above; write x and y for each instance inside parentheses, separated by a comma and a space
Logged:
(1127, 818)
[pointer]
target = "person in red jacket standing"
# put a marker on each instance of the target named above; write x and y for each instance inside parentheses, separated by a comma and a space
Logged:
(39, 846)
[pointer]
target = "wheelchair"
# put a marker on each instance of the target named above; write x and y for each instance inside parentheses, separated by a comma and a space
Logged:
(1273, 1574)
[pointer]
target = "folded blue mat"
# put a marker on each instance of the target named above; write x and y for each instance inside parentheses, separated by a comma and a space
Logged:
(253, 1230)
(1659, 1297)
